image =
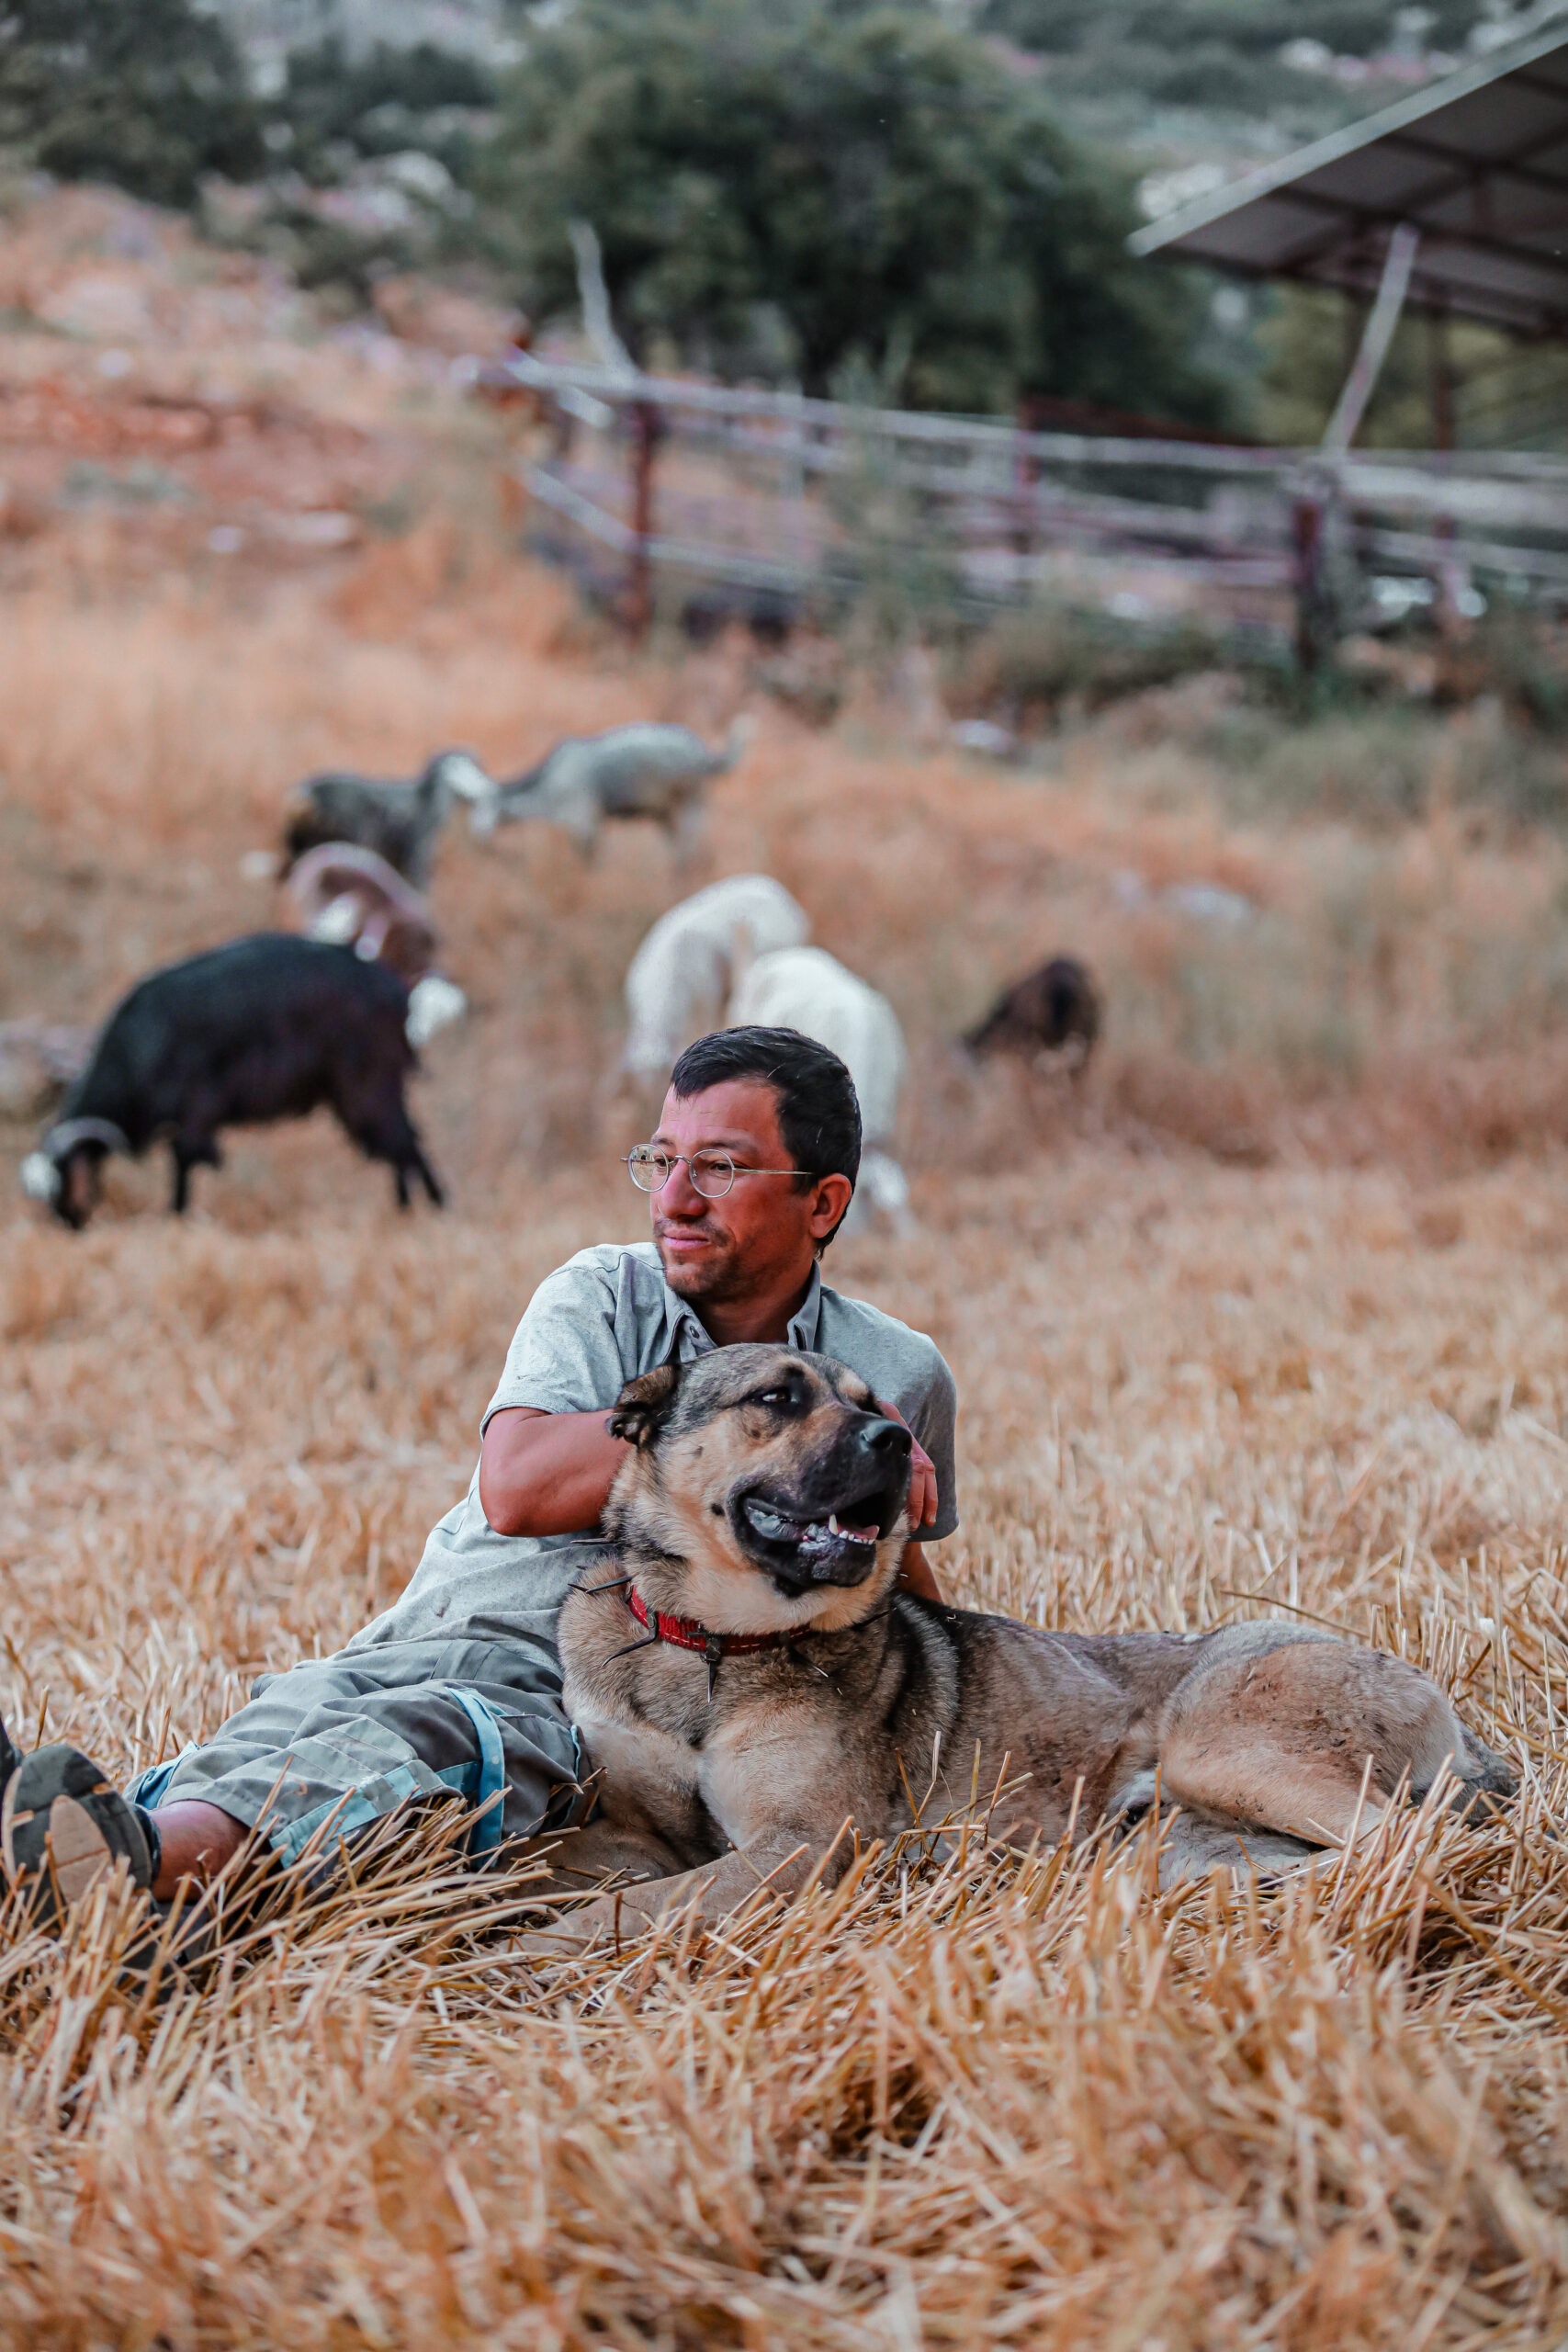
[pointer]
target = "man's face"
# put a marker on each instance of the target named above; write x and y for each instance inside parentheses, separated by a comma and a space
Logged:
(763, 1231)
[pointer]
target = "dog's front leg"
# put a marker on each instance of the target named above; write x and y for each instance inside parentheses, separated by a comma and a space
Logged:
(712, 1891)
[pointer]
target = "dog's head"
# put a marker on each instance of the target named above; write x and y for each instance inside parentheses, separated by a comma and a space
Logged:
(766, 1488)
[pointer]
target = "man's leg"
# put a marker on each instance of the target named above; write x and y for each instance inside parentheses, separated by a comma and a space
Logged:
(194, 1841)
(320, 1752)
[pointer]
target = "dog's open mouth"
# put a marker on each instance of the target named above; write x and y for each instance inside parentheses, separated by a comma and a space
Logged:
(837, 1548)
(812, 1534)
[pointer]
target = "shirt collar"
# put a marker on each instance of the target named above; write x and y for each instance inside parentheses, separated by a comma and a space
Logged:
(685, 1327)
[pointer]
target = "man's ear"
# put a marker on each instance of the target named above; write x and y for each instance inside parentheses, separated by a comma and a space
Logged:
(643, 1406)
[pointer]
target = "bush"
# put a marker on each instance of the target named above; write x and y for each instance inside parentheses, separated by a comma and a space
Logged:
(422, 97)
(1047, 654)
(147, 93)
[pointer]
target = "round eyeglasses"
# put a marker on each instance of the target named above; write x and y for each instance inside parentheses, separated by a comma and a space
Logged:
(712, 1172)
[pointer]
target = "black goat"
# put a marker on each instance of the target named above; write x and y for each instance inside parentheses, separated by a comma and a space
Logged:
(1054, 1010)
(399, 821)
(264, 1028)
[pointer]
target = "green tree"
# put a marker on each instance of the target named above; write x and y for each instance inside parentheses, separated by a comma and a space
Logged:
(145, 93)
(789, 191)
(424, 97)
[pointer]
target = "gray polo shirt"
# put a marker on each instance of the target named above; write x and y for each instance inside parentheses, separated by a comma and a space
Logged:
(598, 1321)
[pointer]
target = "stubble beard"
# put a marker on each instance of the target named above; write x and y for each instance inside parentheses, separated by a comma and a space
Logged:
(716, 1278)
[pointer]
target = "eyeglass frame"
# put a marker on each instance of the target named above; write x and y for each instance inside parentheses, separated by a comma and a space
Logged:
(673, 1159)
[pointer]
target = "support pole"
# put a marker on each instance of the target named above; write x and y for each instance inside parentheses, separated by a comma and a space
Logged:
(1453, 576)
(1361, 382)
(1442, 383)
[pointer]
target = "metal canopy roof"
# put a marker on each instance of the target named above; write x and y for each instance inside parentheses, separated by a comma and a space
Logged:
(1478, 163)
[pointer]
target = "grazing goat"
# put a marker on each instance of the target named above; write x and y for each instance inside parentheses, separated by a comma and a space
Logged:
(806, 988)
(643, 770)
(264, 1028)
(1054, 1010)
(399, 821)
(353, 898)
(694, 956)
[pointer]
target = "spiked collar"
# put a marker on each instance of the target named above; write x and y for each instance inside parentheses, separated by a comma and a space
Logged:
(687, 1634)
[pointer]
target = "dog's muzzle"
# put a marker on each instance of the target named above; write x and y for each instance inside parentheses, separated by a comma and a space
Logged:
(803, 1540)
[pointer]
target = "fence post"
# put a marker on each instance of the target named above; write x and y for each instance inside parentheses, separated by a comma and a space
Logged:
(646, 433)
(1025, 474)
(1306, 540)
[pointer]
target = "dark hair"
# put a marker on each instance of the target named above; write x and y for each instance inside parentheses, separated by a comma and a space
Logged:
(818, 1108)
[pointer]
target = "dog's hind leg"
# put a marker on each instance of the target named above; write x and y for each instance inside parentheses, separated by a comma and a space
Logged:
(1280, 1739)
(1191, 1848)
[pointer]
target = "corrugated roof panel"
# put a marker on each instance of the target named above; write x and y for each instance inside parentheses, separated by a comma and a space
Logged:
(1479, 163)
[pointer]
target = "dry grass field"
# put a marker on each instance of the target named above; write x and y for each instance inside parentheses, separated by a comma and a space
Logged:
(1270, 1320)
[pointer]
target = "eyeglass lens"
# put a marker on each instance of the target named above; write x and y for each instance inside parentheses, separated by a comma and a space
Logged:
(712, 1172)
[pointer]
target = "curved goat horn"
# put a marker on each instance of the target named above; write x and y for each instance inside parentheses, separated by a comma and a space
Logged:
(71, 1132)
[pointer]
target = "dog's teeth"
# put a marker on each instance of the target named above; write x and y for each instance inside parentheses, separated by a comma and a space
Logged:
(833, 1527)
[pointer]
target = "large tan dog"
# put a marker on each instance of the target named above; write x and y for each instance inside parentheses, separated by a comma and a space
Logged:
(746, 1678)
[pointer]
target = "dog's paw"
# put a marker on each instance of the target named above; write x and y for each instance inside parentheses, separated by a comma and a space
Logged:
(555, 1944)
(589, 1927)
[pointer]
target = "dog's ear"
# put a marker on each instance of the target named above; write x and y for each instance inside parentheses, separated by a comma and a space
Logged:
(643, 1406)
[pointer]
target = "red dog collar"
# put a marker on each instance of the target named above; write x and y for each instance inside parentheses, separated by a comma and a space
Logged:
(687, 1634)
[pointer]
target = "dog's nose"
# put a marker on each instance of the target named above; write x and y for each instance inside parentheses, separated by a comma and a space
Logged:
(885, 1436)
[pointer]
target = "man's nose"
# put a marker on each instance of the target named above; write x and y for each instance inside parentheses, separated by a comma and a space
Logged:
(884, 1438)
(678, 1195)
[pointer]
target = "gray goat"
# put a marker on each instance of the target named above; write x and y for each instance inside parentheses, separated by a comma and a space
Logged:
(643, 770)
(399, 821)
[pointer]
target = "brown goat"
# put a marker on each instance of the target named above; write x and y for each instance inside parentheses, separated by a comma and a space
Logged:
(1054, 1010)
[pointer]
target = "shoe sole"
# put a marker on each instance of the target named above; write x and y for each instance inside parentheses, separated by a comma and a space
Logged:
(64, 1848)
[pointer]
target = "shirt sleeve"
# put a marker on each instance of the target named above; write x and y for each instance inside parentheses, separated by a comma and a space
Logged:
(565, 1356)
(932, 1410)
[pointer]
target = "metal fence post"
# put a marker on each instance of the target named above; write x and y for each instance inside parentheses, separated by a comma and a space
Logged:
(1306, 542)
(646, 434)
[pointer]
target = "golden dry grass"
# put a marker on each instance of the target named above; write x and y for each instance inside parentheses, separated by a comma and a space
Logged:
(953, 2102)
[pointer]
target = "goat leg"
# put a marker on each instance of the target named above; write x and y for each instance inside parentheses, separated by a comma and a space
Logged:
(428, 1177)
(188, 1152)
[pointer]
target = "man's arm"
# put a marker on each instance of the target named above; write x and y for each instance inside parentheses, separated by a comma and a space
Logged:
(551, 1474)
(547, 1474)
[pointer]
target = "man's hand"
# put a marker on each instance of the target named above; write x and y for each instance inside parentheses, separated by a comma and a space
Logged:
(914, 1569)
(922, 1487)
(922, 1475)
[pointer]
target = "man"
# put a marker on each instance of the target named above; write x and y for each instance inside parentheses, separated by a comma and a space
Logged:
(455, 1690)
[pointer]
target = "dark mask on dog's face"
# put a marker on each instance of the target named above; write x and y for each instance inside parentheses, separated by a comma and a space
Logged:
(768, 1475)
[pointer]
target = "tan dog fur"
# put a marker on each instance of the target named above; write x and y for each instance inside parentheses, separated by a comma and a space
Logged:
(1260, 1734)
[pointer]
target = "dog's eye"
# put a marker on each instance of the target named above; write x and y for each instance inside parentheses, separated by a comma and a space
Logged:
(778, 1397)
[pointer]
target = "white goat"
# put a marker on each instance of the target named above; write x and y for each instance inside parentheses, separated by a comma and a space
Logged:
(349, 897)
(806, 988)
(692, 959)
(644, 770)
